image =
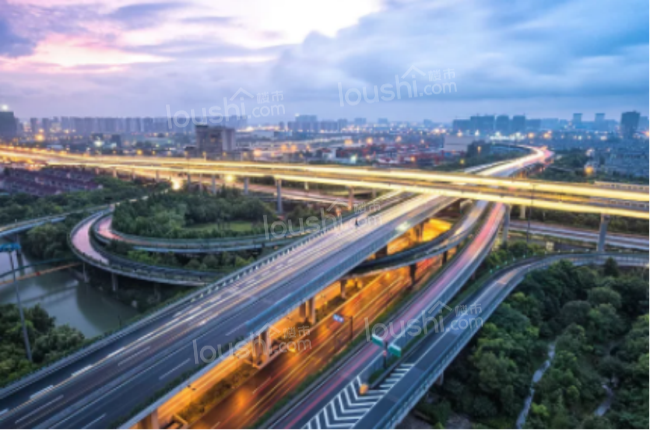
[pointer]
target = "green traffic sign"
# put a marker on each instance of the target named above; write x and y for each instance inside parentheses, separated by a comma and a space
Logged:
(395, 350)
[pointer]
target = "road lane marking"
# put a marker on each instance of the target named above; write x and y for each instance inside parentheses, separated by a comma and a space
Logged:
(263, 384)
(24, 417)
(93, 422)
(80, 371)
(4, 411)
(43, 391)
(142, 351)
(114, 353)
(173, 370)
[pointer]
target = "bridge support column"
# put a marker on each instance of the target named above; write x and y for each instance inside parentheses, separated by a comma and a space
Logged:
(522, 212)
(261, 348)
(602, 236)
(189, 180)
(150, 421)
(441, 379)
(200, 182)
(506, 224)
(419, 232)
(246, 183)
(306, 186)
(350, 198)
(214, 185)
(133, 175)
(278, 185)
(85, 273)
(445, 257)
(412, 271)
(342, 285)
(374, 193)
(114, 172)
(114, 282)
(309, 310)
(157, 176)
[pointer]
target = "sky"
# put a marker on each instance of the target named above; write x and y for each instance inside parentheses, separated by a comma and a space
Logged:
(274, 59)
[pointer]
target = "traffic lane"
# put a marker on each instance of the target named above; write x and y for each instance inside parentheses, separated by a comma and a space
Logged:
(240, 330)
(371, 351)
(21, 395)
(453, 272)
(430, 352)
(284, 374)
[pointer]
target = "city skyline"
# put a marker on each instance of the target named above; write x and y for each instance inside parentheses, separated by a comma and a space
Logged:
(69, 59)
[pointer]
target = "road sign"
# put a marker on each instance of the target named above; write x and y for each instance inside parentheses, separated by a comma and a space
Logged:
(9, 247)
(395, 350)
(379, 341)
(338, 318)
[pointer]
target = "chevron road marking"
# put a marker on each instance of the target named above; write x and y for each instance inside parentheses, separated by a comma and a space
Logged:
(348, 407)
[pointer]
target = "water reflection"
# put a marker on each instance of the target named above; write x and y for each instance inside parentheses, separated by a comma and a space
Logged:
(65, 298)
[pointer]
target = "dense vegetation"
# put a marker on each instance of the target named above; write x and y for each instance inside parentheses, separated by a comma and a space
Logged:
(176, 215)
(18, 207)
(599, 321)
(220, 262)
(591, 221)
(48, 342)
(569, 166)
(49, 241)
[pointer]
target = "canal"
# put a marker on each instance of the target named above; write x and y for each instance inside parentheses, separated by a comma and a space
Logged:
(66, 298)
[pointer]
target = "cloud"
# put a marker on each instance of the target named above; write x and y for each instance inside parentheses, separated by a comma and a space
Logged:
(143, 15)
(508, 55)
(12, 45)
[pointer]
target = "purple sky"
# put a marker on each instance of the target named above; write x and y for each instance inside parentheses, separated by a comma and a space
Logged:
(133, 58)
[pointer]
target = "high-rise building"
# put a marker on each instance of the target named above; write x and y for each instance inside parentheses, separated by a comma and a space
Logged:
(577, 120)
(359, 122)
(329, 126)
(33, 125)
(461, 125)
(46, 125)
(213, 142)
(550, 124)
(66, 123)
(533, 124)
(343, 123)
(599, 122)
(518, 124)
(383, 121)
(629, 124)
(8, 129)
(643, 123)
(482, 123)
(503, 124)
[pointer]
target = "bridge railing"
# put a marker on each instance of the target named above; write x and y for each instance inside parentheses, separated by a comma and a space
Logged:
(435, 368)
(311, 286)
(406, 336)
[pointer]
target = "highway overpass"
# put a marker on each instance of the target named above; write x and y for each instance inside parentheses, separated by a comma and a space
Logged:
(537, 194)
(339, 403)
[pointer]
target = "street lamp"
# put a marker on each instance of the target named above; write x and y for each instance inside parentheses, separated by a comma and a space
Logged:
(8, 248)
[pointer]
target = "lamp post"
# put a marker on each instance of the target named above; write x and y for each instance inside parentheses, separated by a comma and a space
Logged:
(8, 248)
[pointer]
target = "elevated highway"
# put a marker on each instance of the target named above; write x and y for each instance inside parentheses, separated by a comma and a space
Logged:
(107, 388)
(104, 391)
(537, 194)
(338, 403)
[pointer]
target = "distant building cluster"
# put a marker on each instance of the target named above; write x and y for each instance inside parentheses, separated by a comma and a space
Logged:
(46, 182)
